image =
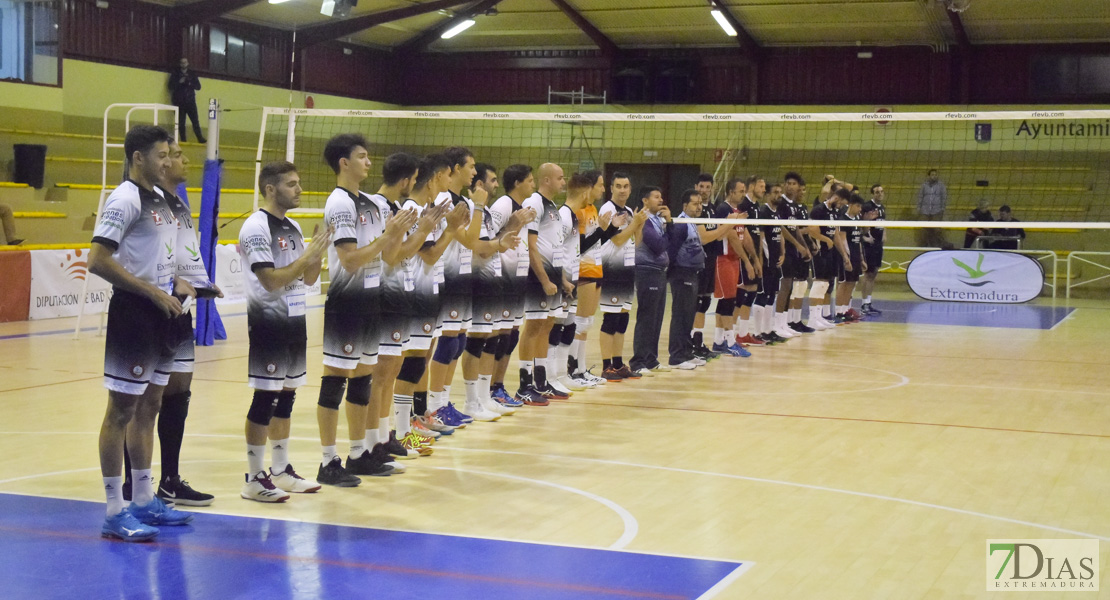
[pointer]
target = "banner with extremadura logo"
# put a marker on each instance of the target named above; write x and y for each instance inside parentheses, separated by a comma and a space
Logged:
(975, 276)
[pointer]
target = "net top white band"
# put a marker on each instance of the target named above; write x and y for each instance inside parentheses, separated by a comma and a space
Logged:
(901, 224)
(697, 117)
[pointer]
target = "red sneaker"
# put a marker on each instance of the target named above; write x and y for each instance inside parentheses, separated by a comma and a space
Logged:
(750, 340)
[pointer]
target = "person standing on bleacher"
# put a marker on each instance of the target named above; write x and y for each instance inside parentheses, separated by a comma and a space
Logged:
(184, 85)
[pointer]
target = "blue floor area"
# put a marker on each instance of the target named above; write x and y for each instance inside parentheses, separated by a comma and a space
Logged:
(53, 549)
(967, 314)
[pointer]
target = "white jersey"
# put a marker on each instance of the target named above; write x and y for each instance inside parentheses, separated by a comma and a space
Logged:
(190, 267)
(266, 241)
(358, 219)
(618, 262)
(570, 249)
(549, 235)
(514, 261)
(458, 260)
(426, 279)
(138, 225)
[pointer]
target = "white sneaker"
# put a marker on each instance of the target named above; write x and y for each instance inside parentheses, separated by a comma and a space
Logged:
(687, 365)
(589, 376)
(662, 368)
(580, 379)
(496, 407)
(398, 468)
(559, 387)
(698, 362)
(261, 489)
(569, 382)
(819, 324)
(644, 372)
(480, 413)
(289, 481)
(785, 332)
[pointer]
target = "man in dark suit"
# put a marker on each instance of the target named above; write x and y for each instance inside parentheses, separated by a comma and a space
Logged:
(183, 91)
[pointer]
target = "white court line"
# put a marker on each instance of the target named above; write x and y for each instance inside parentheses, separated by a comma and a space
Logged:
(903, 380)
(631, 526)
(727, 581)
(807, 486)
(1066, 317)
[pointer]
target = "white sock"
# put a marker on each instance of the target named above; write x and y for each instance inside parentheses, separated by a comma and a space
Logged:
(577, 350)
(814, 314)
(743, 326)
(142, 486)
(358, 447)
(436, 401)
(383, 431)
(841, 310)
(279, 455)
(329, 455)
(446, 394)
(529, 366)
(757, 318)
(795, 315)
(471, 387)
(562, 359)
(113, 492)
(256, 455)
(719, 335)
(867, 299)
(402, 410)
(849, 303)
(483, 387)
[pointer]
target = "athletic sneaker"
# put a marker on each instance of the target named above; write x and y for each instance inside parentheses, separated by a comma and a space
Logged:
(778, 339)
(499, 394)
(420, 430)
(688, 365)
(413, 441)
(549, 392)
(612, 374)
(455, 415)
(158, 514)
(867, 309)
(432, 422)
(289, 481)
(721, 348)
(369, 463)
(644, 372)
(738, 350)
(175, 490)
(380, 452)
(530, 396)
(627, 373)
(570, 383)
(261, 489)
(580, 379)
(589, 376)
(444, 416)
(395, 449)
(481, 413)
(334, 474)
(705, 353)
(493, 406)
(661, 368)
(854, 315)
(698, 362)
(124, 526)
(733, 350)
(749, 340)
(800, 327)
(556, 385)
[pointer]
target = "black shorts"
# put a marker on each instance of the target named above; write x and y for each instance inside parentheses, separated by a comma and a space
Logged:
(853, 275)
(488, 313)
(350, 337)
(825, 265)
(874, 255)
(744, 279)
(616, 296)
(276, 357)
(795, 267)
(771, 277)
(707, 280)
(139, 345)
(588, 280)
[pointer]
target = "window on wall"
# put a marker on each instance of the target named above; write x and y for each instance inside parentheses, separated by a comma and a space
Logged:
(1077, 77)
(232, 55)
(29, 41)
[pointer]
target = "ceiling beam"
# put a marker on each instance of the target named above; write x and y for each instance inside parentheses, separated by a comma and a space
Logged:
(317, 34)
(425, 39)
(608, 48)
(958, 27)
(188, 15)
(745, 39)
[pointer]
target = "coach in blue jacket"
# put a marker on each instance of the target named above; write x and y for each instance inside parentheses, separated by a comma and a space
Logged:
(652, 261)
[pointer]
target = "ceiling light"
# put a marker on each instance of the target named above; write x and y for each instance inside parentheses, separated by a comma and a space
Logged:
(723, 22)
(278, 1)
(457, 29)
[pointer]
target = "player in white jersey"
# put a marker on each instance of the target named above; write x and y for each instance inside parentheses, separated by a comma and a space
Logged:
(520, 184)
(352, 328)
(277, 267)
(134, 249)
(427, 277)
(172, 489)
(618, 278)
(483, 340)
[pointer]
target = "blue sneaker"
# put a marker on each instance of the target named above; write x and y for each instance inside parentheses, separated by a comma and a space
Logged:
(721, 349)
(157, 513)
(459, 416)
(738, 350)
(504, 399)
(126, 527)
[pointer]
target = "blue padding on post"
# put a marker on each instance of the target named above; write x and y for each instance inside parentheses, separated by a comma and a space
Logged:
(209, 325)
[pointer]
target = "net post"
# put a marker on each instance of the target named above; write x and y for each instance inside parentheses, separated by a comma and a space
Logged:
(291, 138)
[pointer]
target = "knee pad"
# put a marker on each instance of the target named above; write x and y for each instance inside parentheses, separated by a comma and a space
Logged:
(358, 390)
(331, 391)
(262, 407)
(412, 369)
(555, 336)
(622, 325)
(610, 323)
(514, 339)
(749, 297)
(703, 303)
(502, 342)
(568, 334)
(799, 289)
(445, 350)
(175, 406)
(819, 289)
(460, 345)
(284, 408)
(583, 323)
(475, 346)
(725, 306)
(493, 346)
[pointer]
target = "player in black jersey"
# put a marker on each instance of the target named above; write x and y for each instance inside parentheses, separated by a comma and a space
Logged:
(801, 286)
(795, 266)
(748, 287)
(826, 256)
(873, 210)
(774, 251)
(853, 265)
(707, 278)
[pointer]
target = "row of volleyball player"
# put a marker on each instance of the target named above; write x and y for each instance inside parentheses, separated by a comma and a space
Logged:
(440, 269)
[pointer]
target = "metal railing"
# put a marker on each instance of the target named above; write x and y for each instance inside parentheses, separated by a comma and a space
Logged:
(1081, 257)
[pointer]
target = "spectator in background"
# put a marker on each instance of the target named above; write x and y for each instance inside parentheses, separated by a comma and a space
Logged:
(183, 91)
(1015, 234)
(983, 214)
(8, 217)
(932, 199)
